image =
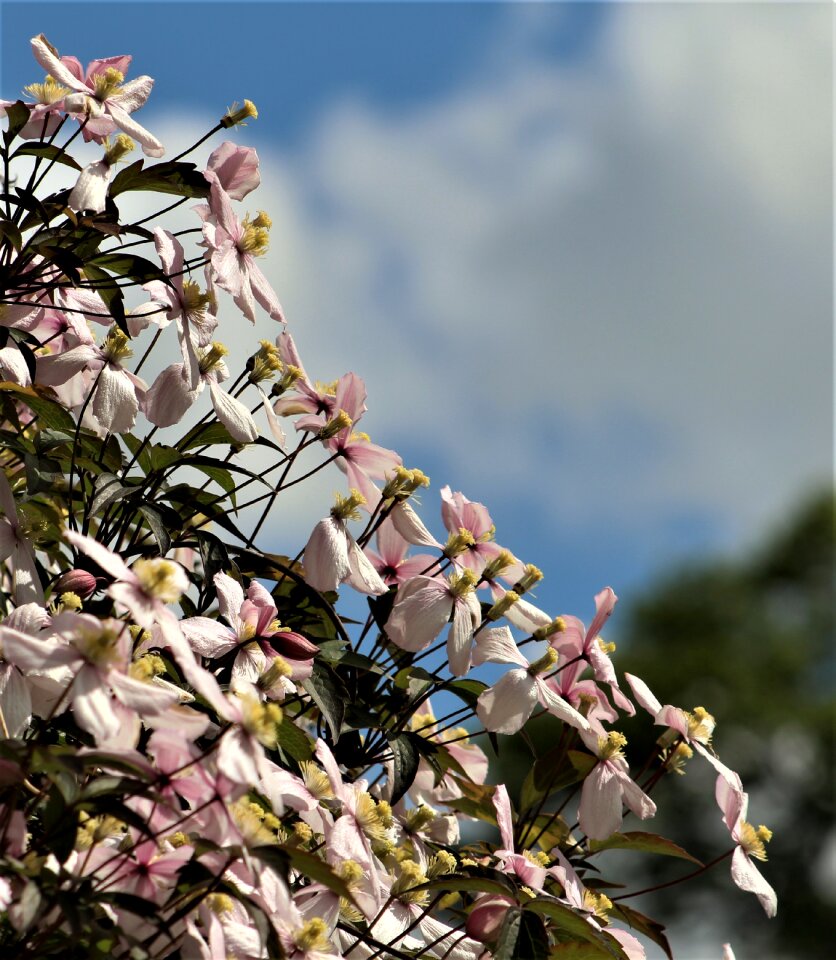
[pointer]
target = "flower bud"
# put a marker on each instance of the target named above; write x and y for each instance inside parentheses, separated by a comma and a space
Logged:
(76, 581)
(485, 919)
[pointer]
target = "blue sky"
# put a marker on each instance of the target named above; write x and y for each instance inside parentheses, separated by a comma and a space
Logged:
(581, 253)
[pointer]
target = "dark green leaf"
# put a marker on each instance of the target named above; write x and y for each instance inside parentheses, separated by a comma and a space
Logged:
(532, 938)
(17, 116)
(329, 693)
(575, 925)
(506, 944)
(46, 151)
(652, 929)
(643, 843)
(406, 758)
(107, 490)
(11, 232)
(50, 414)
(293, 741)
(180, 179)
(154, 519)
(128, 265)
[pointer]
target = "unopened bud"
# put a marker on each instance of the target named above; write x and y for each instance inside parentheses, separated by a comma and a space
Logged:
(80, 582)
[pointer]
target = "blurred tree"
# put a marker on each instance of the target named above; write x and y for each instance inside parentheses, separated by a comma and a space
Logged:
(752, 640)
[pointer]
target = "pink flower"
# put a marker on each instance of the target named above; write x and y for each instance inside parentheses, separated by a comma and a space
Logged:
(100, 94)
(117, 392)
(390, 559)
(170, 397)
(332, 555)
(607, 787)
(459, 513)
(505, 707)
(530, 873)
(423, 607)
(234, 246)
(236, 169)
(253, 630)
(751, 843)
(193, 311)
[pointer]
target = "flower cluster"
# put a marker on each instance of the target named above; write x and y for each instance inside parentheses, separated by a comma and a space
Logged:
(200, 756)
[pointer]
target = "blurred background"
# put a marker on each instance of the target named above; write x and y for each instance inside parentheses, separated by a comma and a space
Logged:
(582, 255)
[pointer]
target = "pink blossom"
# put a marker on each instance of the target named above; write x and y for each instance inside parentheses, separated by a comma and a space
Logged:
(423, 607)
(505, 707)
(751, 841)
(333, 556)
(16, 548)
(100, 95)
(390, 559)
(254, 631)
(607, 787)
(459, 513)
(183, 302)
(233, 248)
(236, 168)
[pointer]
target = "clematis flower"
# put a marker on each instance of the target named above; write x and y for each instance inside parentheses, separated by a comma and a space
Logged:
(575, 640)
(117, 391)
(505, 707)
(332, 555)
(90, 190)
(234, 246)
(607, 786)
(170, 397)
(531, 873)
(193, 311)
(390, 558)
(100, 94)
(424, 605)
(236, 168)
(253, 630)
(694, 727)
(96, 655)
(459, 513)
(751, 843)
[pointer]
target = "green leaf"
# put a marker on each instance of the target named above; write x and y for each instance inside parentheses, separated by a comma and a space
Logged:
(532, 938)
(293, 741)
(46, 151)
(112, 296)
(17, 116)
(579, 951)
(506, 945)
(469, 883)
(206, 434)
(643, 843)
(547, 779)
(468, 691)
(128, 265)
(652, 929)
(108, 489)
(180, 179)
(406, 758)
(154, 519)
(329, 693)
(575, 925)
(11, 232)
(50, 414)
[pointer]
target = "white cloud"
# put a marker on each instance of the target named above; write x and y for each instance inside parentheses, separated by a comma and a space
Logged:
(613, 276)
(603, 285)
